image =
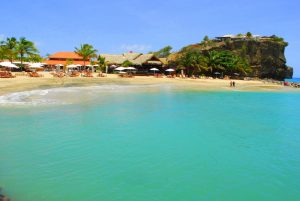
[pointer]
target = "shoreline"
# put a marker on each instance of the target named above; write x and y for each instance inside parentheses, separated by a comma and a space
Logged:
(24, 83)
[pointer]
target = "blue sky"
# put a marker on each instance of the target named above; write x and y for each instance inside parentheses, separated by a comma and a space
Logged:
(118, 26)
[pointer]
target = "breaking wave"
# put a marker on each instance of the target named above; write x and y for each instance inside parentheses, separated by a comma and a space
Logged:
(69, 95)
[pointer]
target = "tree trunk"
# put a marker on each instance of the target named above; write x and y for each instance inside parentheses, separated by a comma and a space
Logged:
(21, 61)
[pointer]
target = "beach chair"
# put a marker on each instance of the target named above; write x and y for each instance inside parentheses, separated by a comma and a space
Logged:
(74, 74)
(34, 74)
(6, 74)
(101, 75)
(88, 74)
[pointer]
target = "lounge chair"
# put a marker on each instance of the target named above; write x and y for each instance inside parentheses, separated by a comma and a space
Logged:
(74, 74)
(6, 74)
(101, 75)
(88, 74)
(59, 75)
(34, 74)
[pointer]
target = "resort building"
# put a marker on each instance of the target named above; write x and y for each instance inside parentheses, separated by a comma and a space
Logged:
(236, 37)
(63, 58)
(143, 62)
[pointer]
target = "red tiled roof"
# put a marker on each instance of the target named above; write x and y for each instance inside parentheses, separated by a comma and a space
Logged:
(65, 55)
(54, 62)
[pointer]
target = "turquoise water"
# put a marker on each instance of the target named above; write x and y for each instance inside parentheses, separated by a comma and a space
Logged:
(293, 80)
(159, 144)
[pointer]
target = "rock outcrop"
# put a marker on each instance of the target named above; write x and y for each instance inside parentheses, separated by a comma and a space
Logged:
(265, 56)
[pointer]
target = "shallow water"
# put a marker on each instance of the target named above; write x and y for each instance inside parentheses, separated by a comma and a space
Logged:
(149, 143)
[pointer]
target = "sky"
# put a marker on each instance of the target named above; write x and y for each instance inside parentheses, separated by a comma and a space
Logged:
(141, 26)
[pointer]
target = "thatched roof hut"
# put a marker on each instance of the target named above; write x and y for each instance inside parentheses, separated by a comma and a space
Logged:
(137, 59)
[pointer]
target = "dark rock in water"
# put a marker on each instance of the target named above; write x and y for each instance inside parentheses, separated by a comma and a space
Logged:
(4, 198)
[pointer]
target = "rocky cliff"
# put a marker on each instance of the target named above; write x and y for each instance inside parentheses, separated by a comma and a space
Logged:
(265, 56)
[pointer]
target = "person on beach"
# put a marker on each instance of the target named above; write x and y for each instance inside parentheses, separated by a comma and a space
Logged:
(233, 83)
(230, 83)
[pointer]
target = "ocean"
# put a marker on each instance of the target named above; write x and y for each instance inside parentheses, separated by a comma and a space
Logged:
(149, 143)
(293, 80)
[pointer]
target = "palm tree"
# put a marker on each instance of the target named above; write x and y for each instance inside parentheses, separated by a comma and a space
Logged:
(25, 47)
(9, 48)
(2, 52)
(213, 61)
(86, 51)
(192, 62)
(102, 63)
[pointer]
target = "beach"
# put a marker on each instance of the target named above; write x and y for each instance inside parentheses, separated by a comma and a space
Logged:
(25, 83)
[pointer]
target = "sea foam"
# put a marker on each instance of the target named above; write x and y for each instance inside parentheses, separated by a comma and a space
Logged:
(69, 95)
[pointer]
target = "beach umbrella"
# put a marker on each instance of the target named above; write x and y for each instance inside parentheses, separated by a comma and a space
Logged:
(154, 69)
(19, 62)
(170, 70)
(236, 74)
(72, 66)
(130, 68)
(113, 66)
(8, 64)
(217, 73)
(120, 68)
(36, 65)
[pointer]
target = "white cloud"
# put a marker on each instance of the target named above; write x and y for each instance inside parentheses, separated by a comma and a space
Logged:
(135, 47)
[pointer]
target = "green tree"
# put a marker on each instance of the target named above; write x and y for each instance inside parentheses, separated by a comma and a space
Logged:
(9, 48)
(34, 58)
(86, 51)
(68, 62)
(205, 41)
(102, 63)
(193, 62)
(2, 52)
(213, 61)
(164, 52)
(127, 63)
(206, 38)
(249, 34)
(227, 62)
(25, 48)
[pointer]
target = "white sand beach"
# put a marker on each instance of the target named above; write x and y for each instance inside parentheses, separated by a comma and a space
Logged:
(25, 83)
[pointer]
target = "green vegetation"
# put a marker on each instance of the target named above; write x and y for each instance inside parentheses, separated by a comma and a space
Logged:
(206, 42)
(25, 47)
(127, 63)
(22, 49)
(102, 63)
(192, 62)
(249, 35)
(205, 39)
(86, 51)
(163, 53)
(195, 62)
(278, 39)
